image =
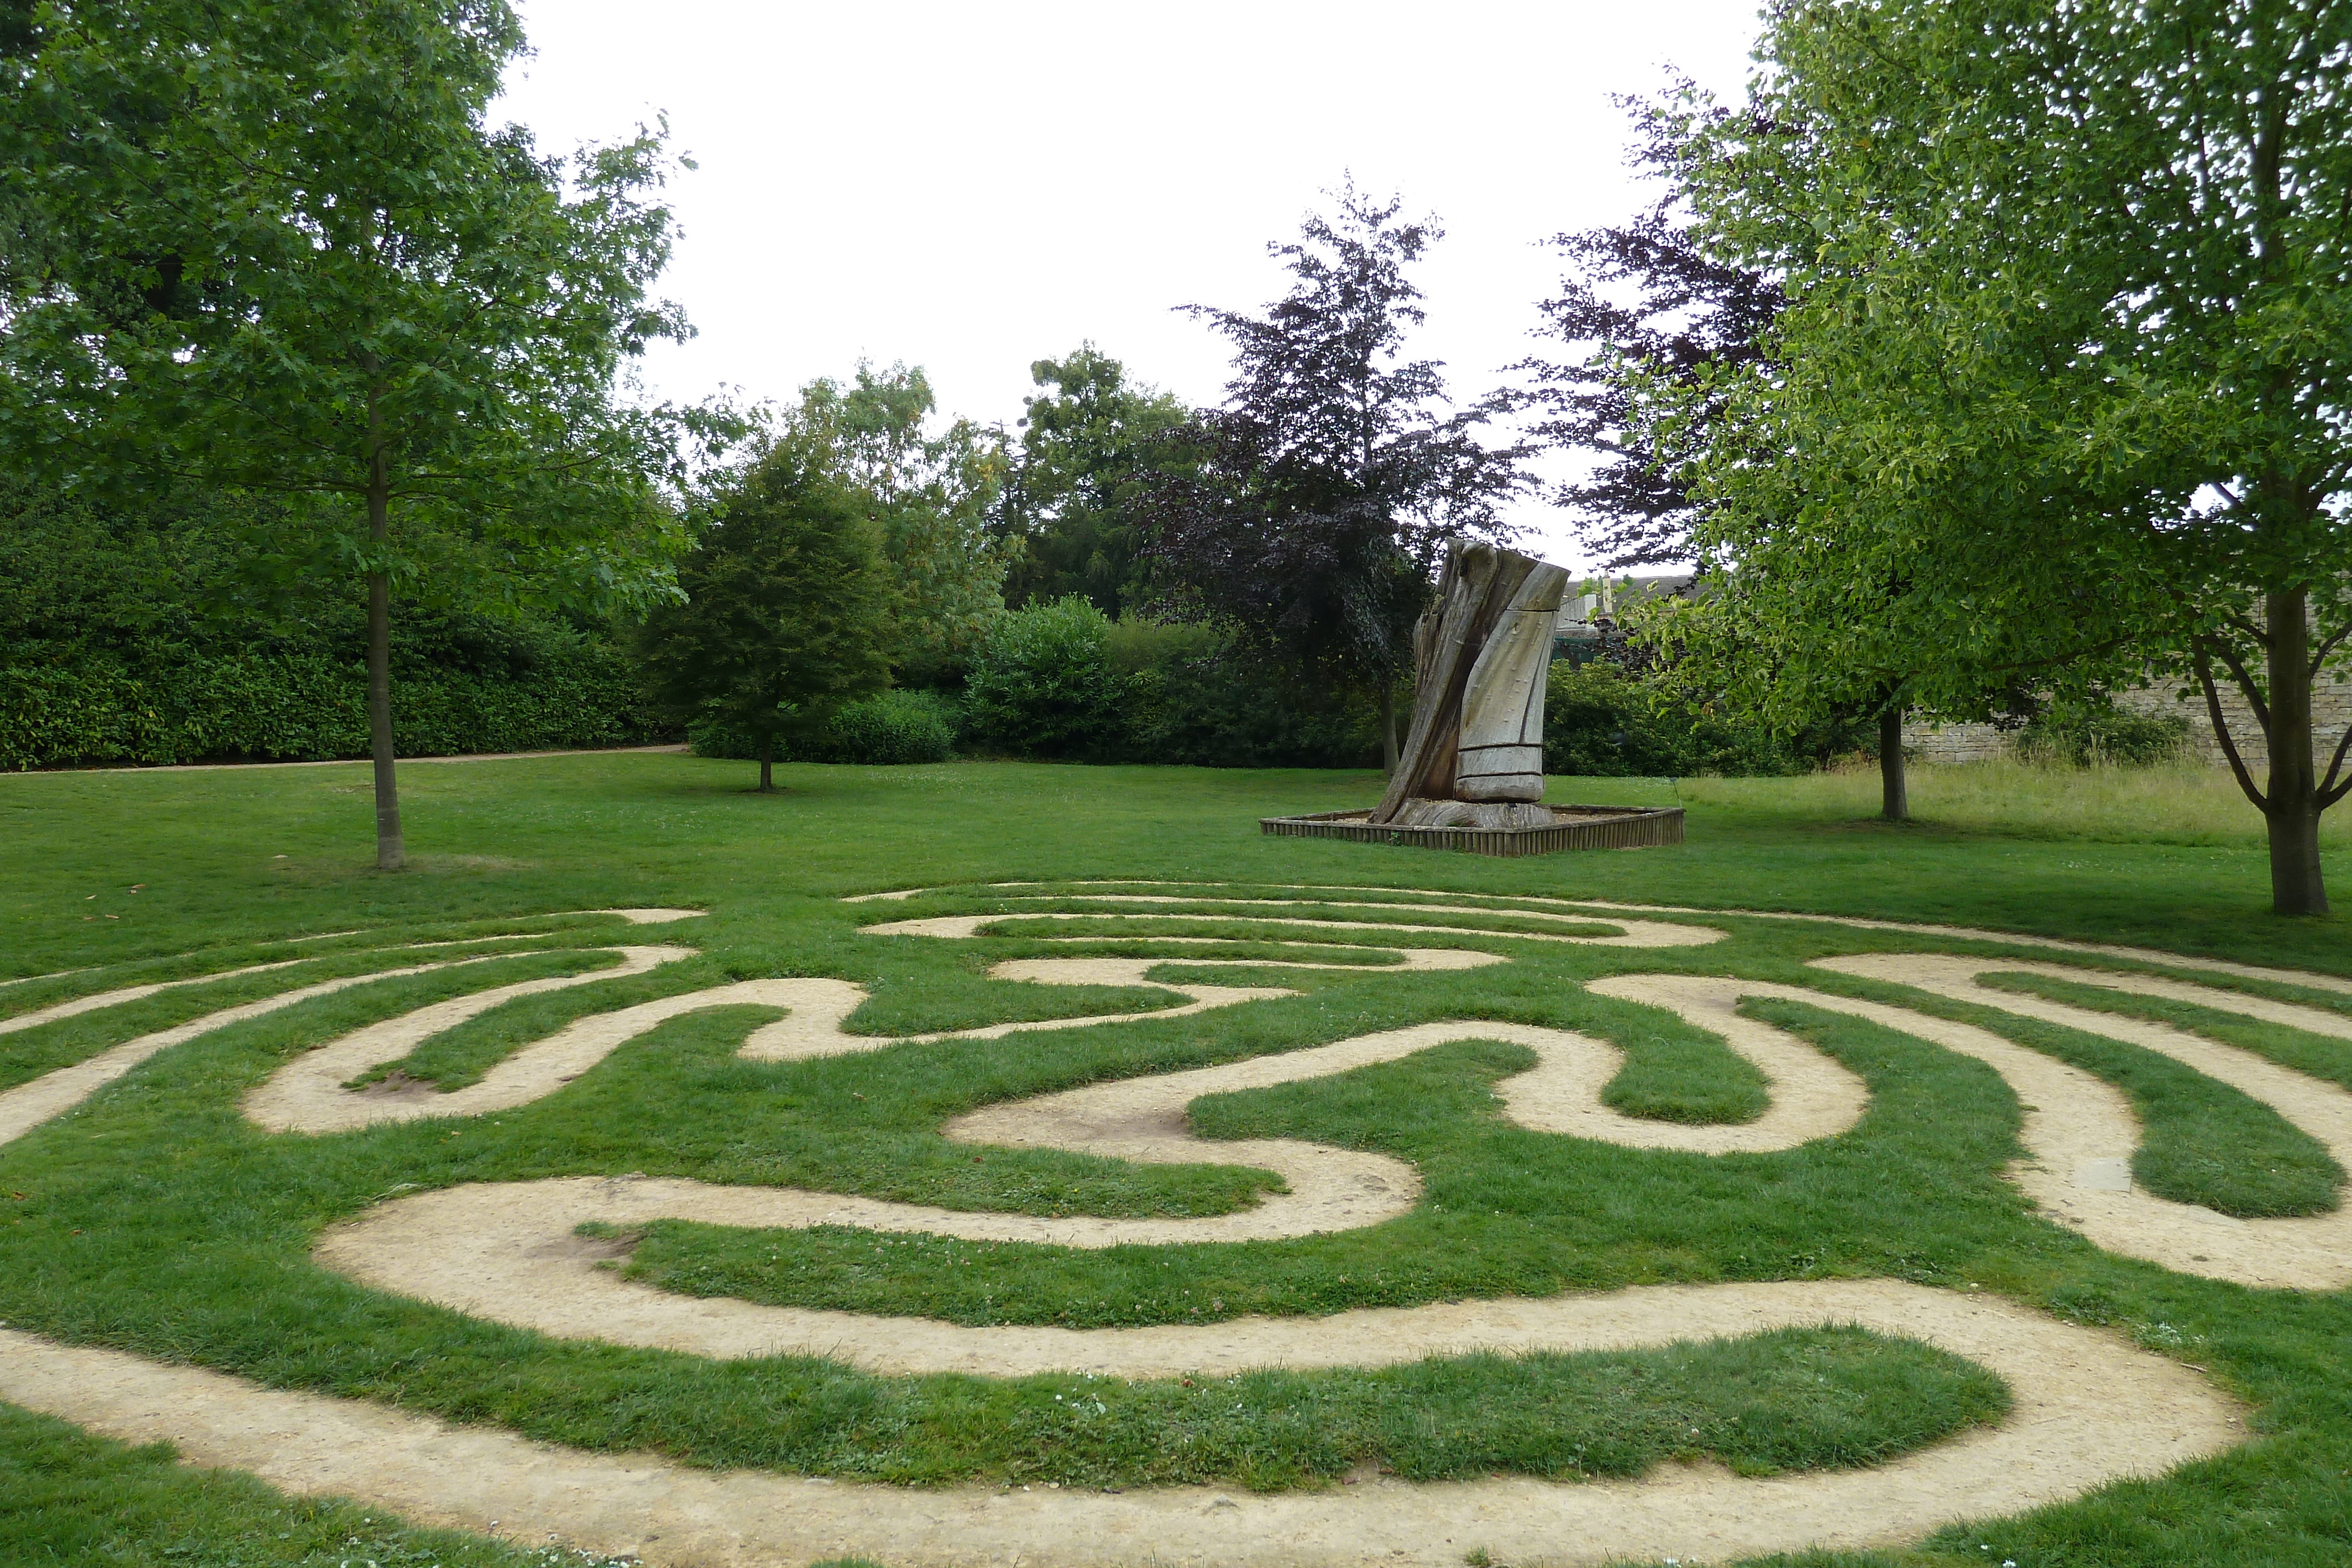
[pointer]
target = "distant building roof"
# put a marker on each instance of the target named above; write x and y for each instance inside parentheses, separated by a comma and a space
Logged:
(1603, 597)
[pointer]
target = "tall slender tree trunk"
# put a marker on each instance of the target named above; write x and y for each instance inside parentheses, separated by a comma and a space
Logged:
(2297, 886)
(767, 763)
(390, 854)
(1893, 797)
(1388, 728)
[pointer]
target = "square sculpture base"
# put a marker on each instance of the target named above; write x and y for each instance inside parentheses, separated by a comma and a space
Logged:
(1568, 828)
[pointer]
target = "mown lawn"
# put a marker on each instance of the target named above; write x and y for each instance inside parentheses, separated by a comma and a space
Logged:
(158, 1221)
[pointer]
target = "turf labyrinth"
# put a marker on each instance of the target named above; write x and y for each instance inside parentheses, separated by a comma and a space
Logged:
(2087, 1407)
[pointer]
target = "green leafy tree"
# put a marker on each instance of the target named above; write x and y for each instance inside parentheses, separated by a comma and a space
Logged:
(280, 249)
(1091, 449)
(1645, 310)
(787, 603)
(934, 494)
(2068, 344)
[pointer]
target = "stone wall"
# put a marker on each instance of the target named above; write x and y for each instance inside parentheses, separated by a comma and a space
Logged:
(2331, 711)
(1955, 742)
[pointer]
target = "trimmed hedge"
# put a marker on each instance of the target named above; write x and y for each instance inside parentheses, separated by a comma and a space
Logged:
(307, 707)
(170, 632)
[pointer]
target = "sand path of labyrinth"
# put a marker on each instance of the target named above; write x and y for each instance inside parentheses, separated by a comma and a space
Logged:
(2089, 1408)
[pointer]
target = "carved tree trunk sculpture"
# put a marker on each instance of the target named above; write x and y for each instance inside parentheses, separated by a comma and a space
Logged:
(1473, 756)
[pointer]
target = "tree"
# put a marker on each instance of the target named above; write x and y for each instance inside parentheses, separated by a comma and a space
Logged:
(1333, 476)
(279, 250)
(786, 609)
(2070, 324)
(1690, 316)
(1693, 321)
(1090, 448)
(933, 495)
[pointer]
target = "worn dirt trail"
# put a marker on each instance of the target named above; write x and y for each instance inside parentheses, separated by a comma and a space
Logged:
(1627, 932)
(2090, 1408)
(52, 1095)
(2081, 1132)
(2307, 979)
(29, 1104)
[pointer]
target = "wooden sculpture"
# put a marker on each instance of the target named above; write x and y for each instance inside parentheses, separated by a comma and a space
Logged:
(1474, 757)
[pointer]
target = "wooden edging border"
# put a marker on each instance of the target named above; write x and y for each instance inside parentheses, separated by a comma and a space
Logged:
(1610, 829)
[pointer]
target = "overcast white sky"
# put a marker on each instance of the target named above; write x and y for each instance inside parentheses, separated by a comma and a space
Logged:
(971, 187)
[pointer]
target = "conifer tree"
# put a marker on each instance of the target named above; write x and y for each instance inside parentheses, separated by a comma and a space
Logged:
(787, 608)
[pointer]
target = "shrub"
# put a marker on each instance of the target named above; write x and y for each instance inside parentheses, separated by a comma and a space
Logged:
(2084, 731)
(1043, 684)
(1599, 721)
(891, 728)
(888, 729)
(1194, 698)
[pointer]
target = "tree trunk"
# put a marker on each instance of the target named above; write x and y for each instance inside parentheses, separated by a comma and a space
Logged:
(2297, 886)
(390, 854)
(767, 764)
(1894, 802)
(1388, 728)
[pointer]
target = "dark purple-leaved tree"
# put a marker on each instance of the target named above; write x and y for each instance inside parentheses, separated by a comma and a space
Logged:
(1641, 302)
(1336, 472)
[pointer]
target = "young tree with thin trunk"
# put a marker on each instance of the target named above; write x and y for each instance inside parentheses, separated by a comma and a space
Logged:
(2069, 308)
(281, 249)
(1328, 485)
(787, 606)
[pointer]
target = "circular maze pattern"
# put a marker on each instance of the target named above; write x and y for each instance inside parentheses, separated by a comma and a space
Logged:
(2087, 1407)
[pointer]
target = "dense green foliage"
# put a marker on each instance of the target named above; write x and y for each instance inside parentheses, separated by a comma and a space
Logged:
(2064, 366)
(1201, 695)
(786, 607)
(1091, 449)
(1043, 684)
(1598, 719)
(891, 727)
(154, 634)
(1062, 680)
(310, 706)
(885, 730)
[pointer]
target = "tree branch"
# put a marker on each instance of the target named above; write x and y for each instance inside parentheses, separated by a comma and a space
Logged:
(2332, 789)
(2319, 655)
(2262, 710)
(2221, 727)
